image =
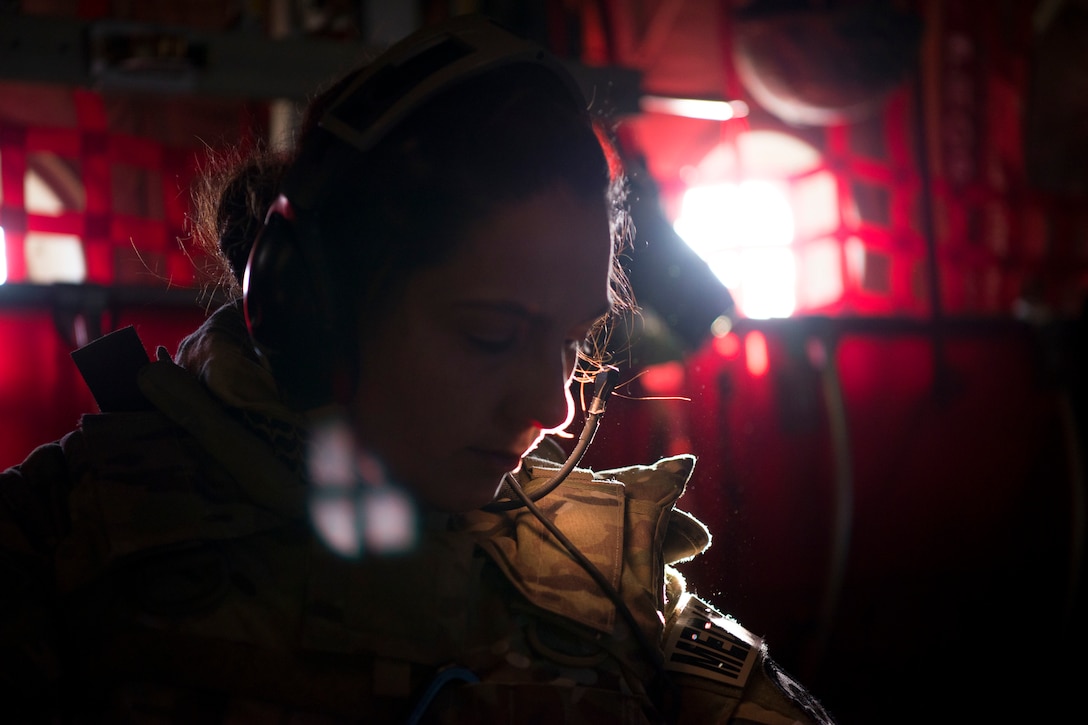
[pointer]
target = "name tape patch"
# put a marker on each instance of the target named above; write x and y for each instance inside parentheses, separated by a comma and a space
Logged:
(708, 644)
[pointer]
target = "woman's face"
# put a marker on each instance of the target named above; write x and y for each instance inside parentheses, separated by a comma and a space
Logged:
(474, 365)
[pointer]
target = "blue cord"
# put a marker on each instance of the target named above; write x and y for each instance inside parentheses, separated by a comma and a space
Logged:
(443, 678)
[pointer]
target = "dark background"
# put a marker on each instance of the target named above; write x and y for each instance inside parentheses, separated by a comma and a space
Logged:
(897, 499)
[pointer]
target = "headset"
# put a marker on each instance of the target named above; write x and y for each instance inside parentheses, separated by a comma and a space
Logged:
(288, 302)
(288, 299)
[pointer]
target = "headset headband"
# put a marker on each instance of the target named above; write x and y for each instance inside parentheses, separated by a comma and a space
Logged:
(404, 77)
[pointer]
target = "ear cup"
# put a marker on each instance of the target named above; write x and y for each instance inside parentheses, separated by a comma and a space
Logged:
(272, 283)
(286, 306)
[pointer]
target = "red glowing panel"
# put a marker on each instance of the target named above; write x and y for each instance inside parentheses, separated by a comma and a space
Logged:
(728, 346)
(755, 354)
(820, 282)
(664, 378)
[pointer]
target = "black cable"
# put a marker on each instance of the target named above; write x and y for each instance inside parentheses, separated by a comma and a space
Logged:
(602, 388)
(652, 651)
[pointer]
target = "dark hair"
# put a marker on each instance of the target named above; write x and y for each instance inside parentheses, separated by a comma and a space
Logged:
(407, 202)
(230, 201)
(490, 141)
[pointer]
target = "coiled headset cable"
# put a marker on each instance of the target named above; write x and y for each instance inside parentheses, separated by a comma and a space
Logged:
(603, 384)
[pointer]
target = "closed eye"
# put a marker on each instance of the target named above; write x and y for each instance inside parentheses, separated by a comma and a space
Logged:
(492, 345)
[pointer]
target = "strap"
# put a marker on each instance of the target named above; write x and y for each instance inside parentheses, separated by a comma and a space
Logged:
(109, 366)
(182, 399)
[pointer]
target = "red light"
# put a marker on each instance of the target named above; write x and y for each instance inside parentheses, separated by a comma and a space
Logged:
(728, 346)
(755, 354)
(663, 379)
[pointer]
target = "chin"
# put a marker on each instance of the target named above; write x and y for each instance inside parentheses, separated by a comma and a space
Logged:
(464, 498)
(487, 498)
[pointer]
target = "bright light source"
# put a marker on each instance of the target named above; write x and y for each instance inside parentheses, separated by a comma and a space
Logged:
(54, 258)
(353, 506)
(743, 232)
(3, 258)
(763, 213)
(694, 108)
(815, 204)
(822, 281)
(770, 283)
(40, 198)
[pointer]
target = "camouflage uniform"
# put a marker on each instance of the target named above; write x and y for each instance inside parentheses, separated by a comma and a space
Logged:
(161, 567)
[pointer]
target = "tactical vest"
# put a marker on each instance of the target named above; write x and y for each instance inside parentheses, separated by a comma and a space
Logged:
(193, 584)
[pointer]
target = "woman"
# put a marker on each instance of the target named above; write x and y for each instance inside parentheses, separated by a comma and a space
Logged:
(335, 503)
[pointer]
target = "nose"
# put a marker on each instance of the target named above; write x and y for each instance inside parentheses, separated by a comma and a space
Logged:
(541, 393)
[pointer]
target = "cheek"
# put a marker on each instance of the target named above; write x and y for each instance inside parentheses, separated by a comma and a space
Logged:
(390, 388)
(418, 389)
